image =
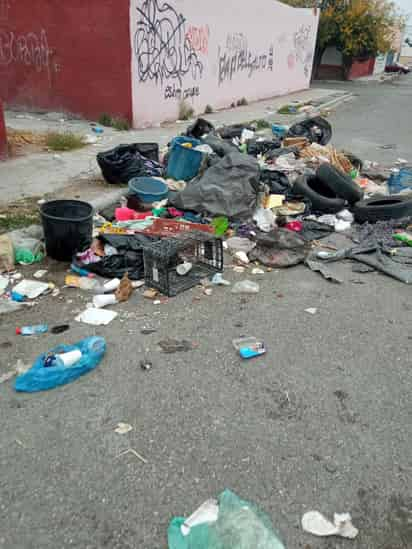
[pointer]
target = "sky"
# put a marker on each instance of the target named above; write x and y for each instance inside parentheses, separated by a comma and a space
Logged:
(405, 5)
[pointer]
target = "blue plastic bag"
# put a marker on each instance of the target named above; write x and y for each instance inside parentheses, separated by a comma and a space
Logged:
(41, 378)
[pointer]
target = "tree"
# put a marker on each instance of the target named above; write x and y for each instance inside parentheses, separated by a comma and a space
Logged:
(357, 28)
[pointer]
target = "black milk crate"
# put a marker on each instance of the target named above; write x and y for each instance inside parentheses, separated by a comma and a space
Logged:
(204, 251)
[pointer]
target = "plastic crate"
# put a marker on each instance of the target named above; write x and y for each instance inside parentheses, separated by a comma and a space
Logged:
(203, 251)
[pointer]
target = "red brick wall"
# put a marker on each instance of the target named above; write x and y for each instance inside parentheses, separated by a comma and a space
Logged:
(72, 56)
(361, 68)
(3, 137)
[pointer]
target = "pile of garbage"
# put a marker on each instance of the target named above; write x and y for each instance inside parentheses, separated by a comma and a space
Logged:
(237, 196)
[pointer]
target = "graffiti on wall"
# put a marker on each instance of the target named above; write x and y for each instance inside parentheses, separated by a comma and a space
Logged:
(162, 46)
(236, 57)
(199, 38)
(31, 49)
(303, 48)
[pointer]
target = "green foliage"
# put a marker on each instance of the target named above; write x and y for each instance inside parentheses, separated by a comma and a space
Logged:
(120, 124)
(105, 120)
(64, 141)
(358, 28)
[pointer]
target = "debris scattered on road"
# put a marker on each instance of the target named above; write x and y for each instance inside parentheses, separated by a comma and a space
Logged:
(170, 346)
(96, 317)
(62, 364)
(227, 522)
(249, 347)
(245, 287)
(315, 523)
(123, 428)
(134, 453)
(146, 365)
(311, 310)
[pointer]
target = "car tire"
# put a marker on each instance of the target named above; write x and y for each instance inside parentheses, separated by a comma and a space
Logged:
(342, 185)
(382, 208)
(322, 198)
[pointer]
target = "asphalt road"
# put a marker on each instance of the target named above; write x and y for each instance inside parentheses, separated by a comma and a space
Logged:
(322, 421)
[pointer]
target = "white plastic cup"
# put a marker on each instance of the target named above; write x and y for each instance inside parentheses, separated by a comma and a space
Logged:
(71, 357)
(100, 301)
(111, 285)
(184, 268)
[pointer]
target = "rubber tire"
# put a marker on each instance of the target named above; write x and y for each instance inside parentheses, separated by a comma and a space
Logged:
(320, 202)
(340, 183)
(382, 208)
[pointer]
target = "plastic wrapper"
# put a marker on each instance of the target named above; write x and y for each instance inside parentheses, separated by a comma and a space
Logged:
(245, 287)
(239, 525)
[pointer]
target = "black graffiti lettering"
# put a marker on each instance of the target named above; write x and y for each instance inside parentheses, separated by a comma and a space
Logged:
(191, 92)
(233, 60)
(161, 45)
(173, 92)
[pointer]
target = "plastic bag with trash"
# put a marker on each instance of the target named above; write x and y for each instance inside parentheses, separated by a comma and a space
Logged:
(53, 368)
(227, 523)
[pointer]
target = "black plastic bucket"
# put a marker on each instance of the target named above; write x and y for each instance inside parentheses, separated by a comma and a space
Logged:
(68, 227)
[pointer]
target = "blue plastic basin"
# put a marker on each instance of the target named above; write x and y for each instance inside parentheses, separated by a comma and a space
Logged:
(148, 189)
(184, 162)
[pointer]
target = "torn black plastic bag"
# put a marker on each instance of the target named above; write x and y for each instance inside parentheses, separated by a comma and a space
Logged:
(200, 128)
(124, 162)
(228, 188)
(278, 182)
(255, 147)
(129, 258)
(279, 248)
(219, 145)
(317, 130)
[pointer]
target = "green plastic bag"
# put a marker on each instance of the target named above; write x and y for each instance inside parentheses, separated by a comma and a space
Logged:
(240, 525)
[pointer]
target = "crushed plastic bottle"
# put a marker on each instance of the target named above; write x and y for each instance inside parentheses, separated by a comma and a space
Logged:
(245, 287)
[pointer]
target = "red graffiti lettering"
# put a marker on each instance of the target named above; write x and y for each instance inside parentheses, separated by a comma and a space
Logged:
(199, 38)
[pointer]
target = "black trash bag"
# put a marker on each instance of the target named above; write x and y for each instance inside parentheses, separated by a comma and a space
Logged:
(124, 162)
(278, 182)
(275, 153)
(129, 258)
(149, 150)
(219, 145)
(230, 132)
(316, 130)
(262, 146)
(228, 188)
(200, 128)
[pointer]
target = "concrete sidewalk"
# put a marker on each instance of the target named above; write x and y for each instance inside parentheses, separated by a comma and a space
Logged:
(76, 174)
